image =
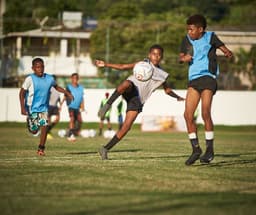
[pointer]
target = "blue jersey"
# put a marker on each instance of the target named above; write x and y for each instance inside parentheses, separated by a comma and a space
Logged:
(203, 52)
(78, 94)
(38, 92)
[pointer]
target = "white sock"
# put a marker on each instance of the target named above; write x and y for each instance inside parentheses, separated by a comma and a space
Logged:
(209, 135)
(192, 135)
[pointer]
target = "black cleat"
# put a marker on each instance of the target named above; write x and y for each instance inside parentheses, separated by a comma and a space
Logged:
(104, 110)
(103, 153)
(208, 156)
(197, 151)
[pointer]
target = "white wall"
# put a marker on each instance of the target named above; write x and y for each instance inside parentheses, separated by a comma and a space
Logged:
(229, 107)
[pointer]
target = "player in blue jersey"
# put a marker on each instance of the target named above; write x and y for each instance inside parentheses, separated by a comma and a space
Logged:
(34, 100)
(75, 106)
(198, 48)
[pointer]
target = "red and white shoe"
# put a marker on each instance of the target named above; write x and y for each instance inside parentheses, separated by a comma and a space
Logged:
(40, 152)
(72, 138)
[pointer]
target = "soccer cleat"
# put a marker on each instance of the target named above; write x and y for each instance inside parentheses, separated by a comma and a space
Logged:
(103, 110)
(71, 138)
(197, 151)
(40, 152)
(103, 153)
(208, 155)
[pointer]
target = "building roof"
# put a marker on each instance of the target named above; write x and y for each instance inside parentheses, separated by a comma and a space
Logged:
(51, 33)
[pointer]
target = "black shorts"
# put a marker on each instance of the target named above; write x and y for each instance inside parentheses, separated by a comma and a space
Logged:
(74, 112)
(203, 83)
(53, 110)
(133, 100)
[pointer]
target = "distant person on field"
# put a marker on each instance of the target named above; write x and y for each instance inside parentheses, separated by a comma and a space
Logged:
(34, 100)
(75, 106)
(107, 115)
(198, 49)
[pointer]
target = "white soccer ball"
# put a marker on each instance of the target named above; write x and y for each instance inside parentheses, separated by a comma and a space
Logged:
(62, 133)
(108, 134)
(143, 71)
(86, 133)
(92, 133)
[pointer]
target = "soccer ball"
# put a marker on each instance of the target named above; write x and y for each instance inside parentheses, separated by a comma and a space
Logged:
(62, 133)
(143, 71)
(108, 134)
(85, 133)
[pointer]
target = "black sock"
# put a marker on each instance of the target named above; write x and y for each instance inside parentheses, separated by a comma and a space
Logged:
(71, 131)
(113, 97)
(112, 142)
(209, 143)
(194, 142)
(41, 147)
(49, 127)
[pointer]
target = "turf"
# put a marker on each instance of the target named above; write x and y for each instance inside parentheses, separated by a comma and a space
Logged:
(144, 175)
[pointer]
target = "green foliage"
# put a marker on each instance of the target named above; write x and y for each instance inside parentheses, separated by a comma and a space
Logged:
(133, 26)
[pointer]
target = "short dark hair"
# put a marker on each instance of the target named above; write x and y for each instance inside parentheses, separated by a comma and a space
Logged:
(37, 59)
(74, 74)
(156, 46)
(197, 20)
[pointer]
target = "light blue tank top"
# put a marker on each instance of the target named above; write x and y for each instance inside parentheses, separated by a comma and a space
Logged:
(199, 66)
(42, 86)
(78, 93)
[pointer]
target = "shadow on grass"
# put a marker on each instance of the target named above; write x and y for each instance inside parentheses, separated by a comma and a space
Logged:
(96, 152)
(184, 203)
(231, 162)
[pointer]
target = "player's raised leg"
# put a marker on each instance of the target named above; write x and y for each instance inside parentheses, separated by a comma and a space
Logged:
(119, 90)
(129, 119)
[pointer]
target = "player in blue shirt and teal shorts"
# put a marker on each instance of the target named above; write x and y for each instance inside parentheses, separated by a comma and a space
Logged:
(198, 48)
(34, 100)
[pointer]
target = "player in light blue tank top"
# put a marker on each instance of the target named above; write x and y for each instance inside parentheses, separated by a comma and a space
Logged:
(198, 49)
(78, 93)
(75, 106)
(42, 86)
(199, 66)
(34, 100)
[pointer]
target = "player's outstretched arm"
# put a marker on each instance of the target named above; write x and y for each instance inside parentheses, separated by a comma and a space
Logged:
(101, 63)
(226, 51)
(66, 93)
(170, 92)
(185, 58)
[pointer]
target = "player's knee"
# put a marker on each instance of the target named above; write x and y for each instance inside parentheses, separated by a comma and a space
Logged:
(123, 86)
(206, 115)
(188, 117)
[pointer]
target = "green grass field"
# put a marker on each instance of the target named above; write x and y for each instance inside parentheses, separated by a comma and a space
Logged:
(144, 175)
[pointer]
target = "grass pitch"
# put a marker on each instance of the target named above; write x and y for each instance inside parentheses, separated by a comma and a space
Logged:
(144, 175)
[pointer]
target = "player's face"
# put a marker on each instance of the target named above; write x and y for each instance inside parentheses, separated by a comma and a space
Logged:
(74, 79)
(38, 68)
(155, 56)
(195, 32)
